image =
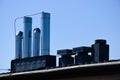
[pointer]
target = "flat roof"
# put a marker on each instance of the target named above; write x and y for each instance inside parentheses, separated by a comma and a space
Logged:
(75, 70)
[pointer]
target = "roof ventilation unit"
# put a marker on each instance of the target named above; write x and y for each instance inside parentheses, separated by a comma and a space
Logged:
(100, 51)
(66, 58)
(82, 55)
(26, 62)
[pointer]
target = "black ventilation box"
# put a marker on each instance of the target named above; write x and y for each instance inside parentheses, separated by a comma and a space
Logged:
(100, 51)
(82, 55)
(66, 59)
(33, 63)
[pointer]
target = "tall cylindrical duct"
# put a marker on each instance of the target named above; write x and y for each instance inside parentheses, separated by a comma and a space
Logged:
(36, 42)
(45, 33)
(18, 45)
(27, 37)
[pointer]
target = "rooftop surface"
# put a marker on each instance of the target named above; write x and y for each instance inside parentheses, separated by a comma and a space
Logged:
(111, 67)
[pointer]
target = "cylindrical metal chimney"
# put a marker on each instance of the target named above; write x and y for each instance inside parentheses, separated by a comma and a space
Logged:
(36, 42)
(45, 33)
(18, 45)
(27, 37)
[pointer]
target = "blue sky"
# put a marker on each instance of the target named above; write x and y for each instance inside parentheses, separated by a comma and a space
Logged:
(74, 23)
